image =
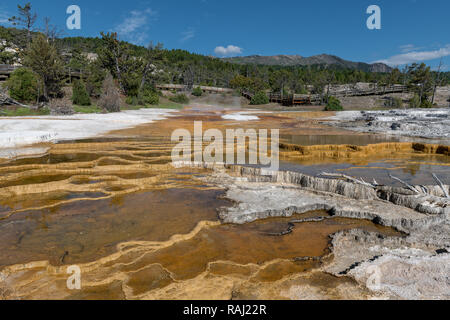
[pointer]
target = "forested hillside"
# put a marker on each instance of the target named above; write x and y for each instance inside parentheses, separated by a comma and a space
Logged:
(330, 61)
(137, 69)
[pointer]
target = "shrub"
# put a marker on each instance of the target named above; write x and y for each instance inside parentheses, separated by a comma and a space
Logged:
(397, 103)
(333, 105)
(61, 107)
(110, 99)
(198, 92)
(95, 79)
(132, 101)
(80, 95)
(426, 104)
(23, 85)
(259, 98)
(393, 102)
(149, 96)
(146, 96)
(179, 98)
(414, 102)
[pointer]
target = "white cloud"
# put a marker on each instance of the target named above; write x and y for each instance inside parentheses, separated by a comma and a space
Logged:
(4, 18)
(228, 51)
(188, 34)
(135, 26)
(409, 47)
(417, 56)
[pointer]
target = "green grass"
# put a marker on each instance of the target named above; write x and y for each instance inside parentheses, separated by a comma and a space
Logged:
(162, 105)
(131, 107)
(87, 109)
(22, 112)
(169, 105)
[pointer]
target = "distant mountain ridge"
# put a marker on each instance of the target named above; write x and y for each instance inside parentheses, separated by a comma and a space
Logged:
(297, 60)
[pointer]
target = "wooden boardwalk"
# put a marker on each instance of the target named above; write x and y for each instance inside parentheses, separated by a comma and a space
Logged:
(376, 91)
(291, 100)
(183, 88)
(5, 71)
(309, 99)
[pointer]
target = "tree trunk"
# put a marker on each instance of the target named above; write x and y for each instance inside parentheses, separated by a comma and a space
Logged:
(421, 93)
(45, 90)
(144, 76)
(119, 76)
(434, 93)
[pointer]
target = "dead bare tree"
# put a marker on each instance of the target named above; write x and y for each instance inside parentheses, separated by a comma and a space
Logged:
(110, 99)
(51, 31)
(348, 178)
(26, 18)
(437, 81)
(407, 185)
(189, 76)
(439, 182)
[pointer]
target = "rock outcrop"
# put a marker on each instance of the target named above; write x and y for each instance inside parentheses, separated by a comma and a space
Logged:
(397, 268)
(427, 123)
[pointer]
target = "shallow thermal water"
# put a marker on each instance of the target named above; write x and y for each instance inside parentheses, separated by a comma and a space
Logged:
(358, 140)
(354, 139)
(411, 166)
(416, 171)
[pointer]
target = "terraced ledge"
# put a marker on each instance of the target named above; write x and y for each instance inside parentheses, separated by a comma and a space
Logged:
(415, 266)
(395, 268)
(260, 194)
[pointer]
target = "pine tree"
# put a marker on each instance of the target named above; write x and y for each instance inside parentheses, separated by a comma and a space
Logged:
(80, 96)
(42, 57)
(23, 85)
(26, 18)
(420, 82)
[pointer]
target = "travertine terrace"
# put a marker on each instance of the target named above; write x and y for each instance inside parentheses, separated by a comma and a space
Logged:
(142, 227)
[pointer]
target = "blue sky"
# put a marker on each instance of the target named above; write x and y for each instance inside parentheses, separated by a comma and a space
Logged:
(412, 30)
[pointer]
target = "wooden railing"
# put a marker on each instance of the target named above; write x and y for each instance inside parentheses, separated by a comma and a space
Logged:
(182, 87)
(378, 90)
(7, 69)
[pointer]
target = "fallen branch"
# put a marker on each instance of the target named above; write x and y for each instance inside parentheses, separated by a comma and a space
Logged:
(407, 185)
(441, 185)
(4, 100)
(351, 179)
(424, 189)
